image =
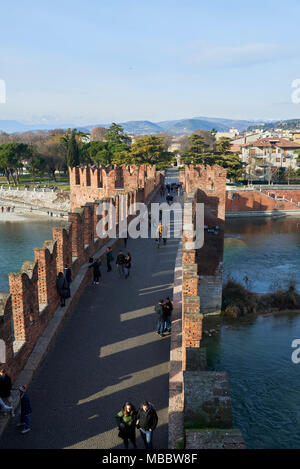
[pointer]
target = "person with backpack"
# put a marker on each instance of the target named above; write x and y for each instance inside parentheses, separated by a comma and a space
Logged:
(109, 258)
(25, 410)
(168, 306)
(96, 271)
(120, 263)
(62, 288)
(161, 318)
(146, 422)
(127, 265)
(126, 420)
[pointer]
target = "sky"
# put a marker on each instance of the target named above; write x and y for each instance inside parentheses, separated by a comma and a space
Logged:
(100, 61)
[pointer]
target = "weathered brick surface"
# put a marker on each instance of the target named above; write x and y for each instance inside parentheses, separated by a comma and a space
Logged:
(207, 401)
(214, 439)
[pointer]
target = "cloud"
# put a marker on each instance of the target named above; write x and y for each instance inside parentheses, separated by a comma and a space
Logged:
(203, 53)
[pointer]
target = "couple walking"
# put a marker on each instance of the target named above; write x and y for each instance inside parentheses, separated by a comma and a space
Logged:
(145, 419)
(164, 312)
(123, 264)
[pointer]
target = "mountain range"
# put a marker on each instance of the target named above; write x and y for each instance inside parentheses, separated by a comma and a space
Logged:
(173, 127)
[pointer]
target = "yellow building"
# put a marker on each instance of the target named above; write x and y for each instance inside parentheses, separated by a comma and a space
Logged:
(296, 137)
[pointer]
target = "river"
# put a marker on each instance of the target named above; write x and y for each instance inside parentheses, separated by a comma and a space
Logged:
(264, 382)
(17, 241)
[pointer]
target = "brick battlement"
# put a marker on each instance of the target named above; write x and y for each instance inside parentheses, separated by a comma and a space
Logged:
(91, 183)
(32, 300)
(199, 400)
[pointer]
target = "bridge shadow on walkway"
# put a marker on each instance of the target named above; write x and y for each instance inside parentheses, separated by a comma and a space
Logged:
(106, 353)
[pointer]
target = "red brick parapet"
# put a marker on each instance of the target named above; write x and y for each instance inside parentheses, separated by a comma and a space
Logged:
(33, 296)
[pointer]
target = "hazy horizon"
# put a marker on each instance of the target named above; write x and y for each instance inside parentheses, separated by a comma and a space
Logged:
(139, 60)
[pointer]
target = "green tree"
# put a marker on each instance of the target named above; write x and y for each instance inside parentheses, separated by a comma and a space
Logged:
(37, 166)
(73, 151)
(151, 149)
(115, 134)
(223, 145)
(196, 146)
(12, 158)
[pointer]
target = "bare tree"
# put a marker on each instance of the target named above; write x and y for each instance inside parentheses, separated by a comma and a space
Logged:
(98, 134)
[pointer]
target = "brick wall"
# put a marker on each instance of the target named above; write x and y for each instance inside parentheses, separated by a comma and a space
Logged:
(32, 300)
(249, 200)
(199, 400)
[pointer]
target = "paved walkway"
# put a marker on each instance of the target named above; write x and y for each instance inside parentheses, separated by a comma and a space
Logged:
(106, 353)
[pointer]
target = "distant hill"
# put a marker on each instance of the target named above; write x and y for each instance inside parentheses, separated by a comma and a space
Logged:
(174, 127)
(141, 127)
(284, 124)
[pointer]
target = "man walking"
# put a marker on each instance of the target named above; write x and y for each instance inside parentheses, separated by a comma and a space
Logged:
(120, 263)
(161, 317)
(147, 421)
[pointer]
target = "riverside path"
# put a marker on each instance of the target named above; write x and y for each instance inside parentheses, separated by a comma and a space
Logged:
(106, 353)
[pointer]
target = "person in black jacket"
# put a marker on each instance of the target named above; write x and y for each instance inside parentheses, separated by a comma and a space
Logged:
(5, 392)
(161, 318)
(25, 410)
(62, 288)
(120, 263)
(147, 421)
(168, 310)
(96, 271)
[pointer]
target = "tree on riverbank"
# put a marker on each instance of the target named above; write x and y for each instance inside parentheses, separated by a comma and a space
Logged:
(12, 157)
(239, 301)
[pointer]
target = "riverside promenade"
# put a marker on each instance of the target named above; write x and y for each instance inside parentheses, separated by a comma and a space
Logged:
(106, 353)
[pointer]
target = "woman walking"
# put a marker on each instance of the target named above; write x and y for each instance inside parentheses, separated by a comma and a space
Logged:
(109, 258)
(127, 265)
(126, 420)
(62, 288)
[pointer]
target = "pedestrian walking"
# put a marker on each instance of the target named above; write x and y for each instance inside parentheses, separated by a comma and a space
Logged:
(62, 288)
(96, 271)
(168, 306)
(5, 392)
(68, 274)
(127, 265)
(164, 233)
(109, 258)
(25, 410)
(146, 422)
(161, 318)
(126, 420)
(68, 278)
(120, 263)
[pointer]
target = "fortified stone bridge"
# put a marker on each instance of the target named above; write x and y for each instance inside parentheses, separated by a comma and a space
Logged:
(85, 360)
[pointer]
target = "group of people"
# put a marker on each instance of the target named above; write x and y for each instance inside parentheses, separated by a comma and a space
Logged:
(129, 419)
(6, 403)
(164, 316)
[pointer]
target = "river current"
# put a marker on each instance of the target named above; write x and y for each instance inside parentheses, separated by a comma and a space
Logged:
(256, 354)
